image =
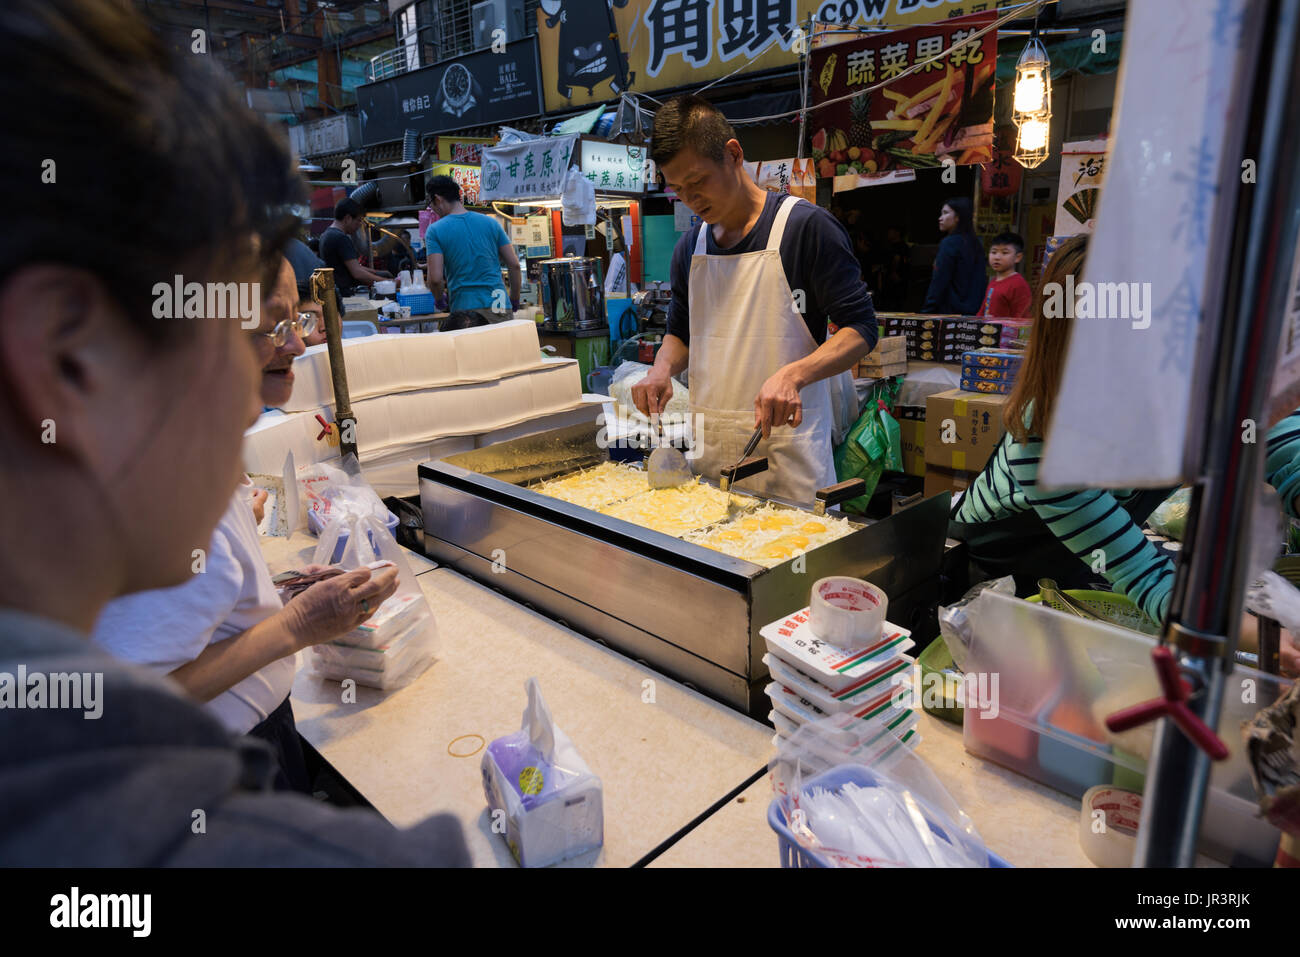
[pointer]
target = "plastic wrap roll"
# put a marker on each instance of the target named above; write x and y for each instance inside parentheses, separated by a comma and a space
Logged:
(1108, 823)
(847, 611)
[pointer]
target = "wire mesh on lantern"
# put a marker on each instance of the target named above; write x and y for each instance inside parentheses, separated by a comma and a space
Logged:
(1032, 104)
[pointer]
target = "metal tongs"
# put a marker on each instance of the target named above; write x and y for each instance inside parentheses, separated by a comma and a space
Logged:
(744, 468)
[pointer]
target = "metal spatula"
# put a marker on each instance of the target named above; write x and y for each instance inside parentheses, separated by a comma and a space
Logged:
(666, 467)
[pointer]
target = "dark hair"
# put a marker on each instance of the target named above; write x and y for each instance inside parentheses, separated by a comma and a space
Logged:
(348, 207)
(961, 205)
(965, 231)
(154, 146)
(463, 319)
(689, 120)
(443, 186)
(1009, 239)
(1039, 377)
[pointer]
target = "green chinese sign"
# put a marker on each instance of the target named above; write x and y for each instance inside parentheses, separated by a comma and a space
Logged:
(614, 167)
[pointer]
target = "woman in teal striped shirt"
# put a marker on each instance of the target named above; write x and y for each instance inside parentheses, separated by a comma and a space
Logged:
(1074, 536)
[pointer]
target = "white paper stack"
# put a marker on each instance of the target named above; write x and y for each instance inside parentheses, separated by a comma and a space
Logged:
(389, 423)
(812, 678)
(388, 364)
(395, 644)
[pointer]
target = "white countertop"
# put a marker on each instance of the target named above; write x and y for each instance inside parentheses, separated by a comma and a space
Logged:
(665, 754)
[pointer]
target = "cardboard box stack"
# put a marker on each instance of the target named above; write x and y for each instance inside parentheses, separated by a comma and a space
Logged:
(962, 430)
(990, 371)
(911, 433)
(889, 358)
(948, 338)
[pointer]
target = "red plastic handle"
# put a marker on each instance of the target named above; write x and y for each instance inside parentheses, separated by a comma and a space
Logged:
(1173, 705)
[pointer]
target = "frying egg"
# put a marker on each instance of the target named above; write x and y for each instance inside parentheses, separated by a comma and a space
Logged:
(812, 528)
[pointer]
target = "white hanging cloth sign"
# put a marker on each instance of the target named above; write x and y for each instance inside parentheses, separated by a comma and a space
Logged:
(1121, 417)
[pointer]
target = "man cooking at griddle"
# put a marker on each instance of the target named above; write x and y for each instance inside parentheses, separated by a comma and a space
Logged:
(752, 294)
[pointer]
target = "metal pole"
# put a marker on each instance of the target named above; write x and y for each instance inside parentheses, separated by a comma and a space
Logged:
(322, 290)
(1251, 299)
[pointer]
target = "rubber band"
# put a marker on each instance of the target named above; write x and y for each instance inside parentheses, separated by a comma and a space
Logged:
(469, 754)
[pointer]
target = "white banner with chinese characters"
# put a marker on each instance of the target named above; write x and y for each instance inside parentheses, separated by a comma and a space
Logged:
(1123, 407)
(531, 170)
(1083, 168)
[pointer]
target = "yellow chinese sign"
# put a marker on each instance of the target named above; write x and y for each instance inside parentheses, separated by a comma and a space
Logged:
(591, 50)
(463, 149)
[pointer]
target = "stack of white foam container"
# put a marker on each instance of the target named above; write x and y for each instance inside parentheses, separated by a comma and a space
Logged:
(422, 396)
(812, 678)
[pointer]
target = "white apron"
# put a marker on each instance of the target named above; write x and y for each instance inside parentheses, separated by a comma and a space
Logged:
(744, 327)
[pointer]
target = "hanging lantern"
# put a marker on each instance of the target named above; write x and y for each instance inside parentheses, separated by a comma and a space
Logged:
(1031, 141)
(1033, 92)
(1032, 104)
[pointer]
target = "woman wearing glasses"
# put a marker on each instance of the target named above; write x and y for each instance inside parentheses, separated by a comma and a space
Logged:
(224, 636)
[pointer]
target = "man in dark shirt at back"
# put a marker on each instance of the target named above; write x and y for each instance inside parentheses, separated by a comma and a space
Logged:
(339, 252)
(753, 289)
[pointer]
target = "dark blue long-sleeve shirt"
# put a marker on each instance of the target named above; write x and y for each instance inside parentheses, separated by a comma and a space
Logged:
(817, 258)
(959, 280)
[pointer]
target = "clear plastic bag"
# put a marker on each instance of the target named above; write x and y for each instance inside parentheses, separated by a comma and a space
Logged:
(857, 798)
(336, 498)
(955, 621)
(629, 374)
(551, 801)
(400, 640)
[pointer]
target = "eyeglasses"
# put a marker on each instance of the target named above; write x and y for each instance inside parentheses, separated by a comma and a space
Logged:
(302, 327)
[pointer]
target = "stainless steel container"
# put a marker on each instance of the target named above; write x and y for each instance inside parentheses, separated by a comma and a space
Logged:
(686, 610)
(573, 293)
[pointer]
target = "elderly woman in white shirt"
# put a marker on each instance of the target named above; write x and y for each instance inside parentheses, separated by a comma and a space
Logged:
(224, 635)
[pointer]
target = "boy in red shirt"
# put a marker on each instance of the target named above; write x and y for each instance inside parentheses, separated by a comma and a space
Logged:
(1008, 295)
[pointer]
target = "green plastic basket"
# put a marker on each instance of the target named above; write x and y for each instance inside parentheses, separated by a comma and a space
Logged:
(1096, 605)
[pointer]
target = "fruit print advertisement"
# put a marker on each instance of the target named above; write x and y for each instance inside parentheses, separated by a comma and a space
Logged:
(942, 111)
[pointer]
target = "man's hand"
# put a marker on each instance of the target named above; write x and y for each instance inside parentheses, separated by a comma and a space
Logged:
(652, 393)
(331, 608)
(778, 402)
(259, 504)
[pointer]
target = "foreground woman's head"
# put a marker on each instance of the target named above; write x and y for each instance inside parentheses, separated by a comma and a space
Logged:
(145, 217)
(1039, 378)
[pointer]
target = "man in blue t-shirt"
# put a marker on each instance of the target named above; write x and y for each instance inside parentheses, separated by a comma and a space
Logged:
(466, 252)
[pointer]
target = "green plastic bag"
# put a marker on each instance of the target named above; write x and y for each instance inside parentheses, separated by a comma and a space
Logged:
(872, 445)
(1170, 516)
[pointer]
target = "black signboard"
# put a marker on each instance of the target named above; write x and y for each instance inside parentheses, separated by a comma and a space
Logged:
(478, 89)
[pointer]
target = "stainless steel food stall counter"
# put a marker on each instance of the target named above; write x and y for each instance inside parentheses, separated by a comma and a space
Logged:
(686, 610)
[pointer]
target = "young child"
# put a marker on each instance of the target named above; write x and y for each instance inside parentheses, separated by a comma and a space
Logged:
(1008, 295)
